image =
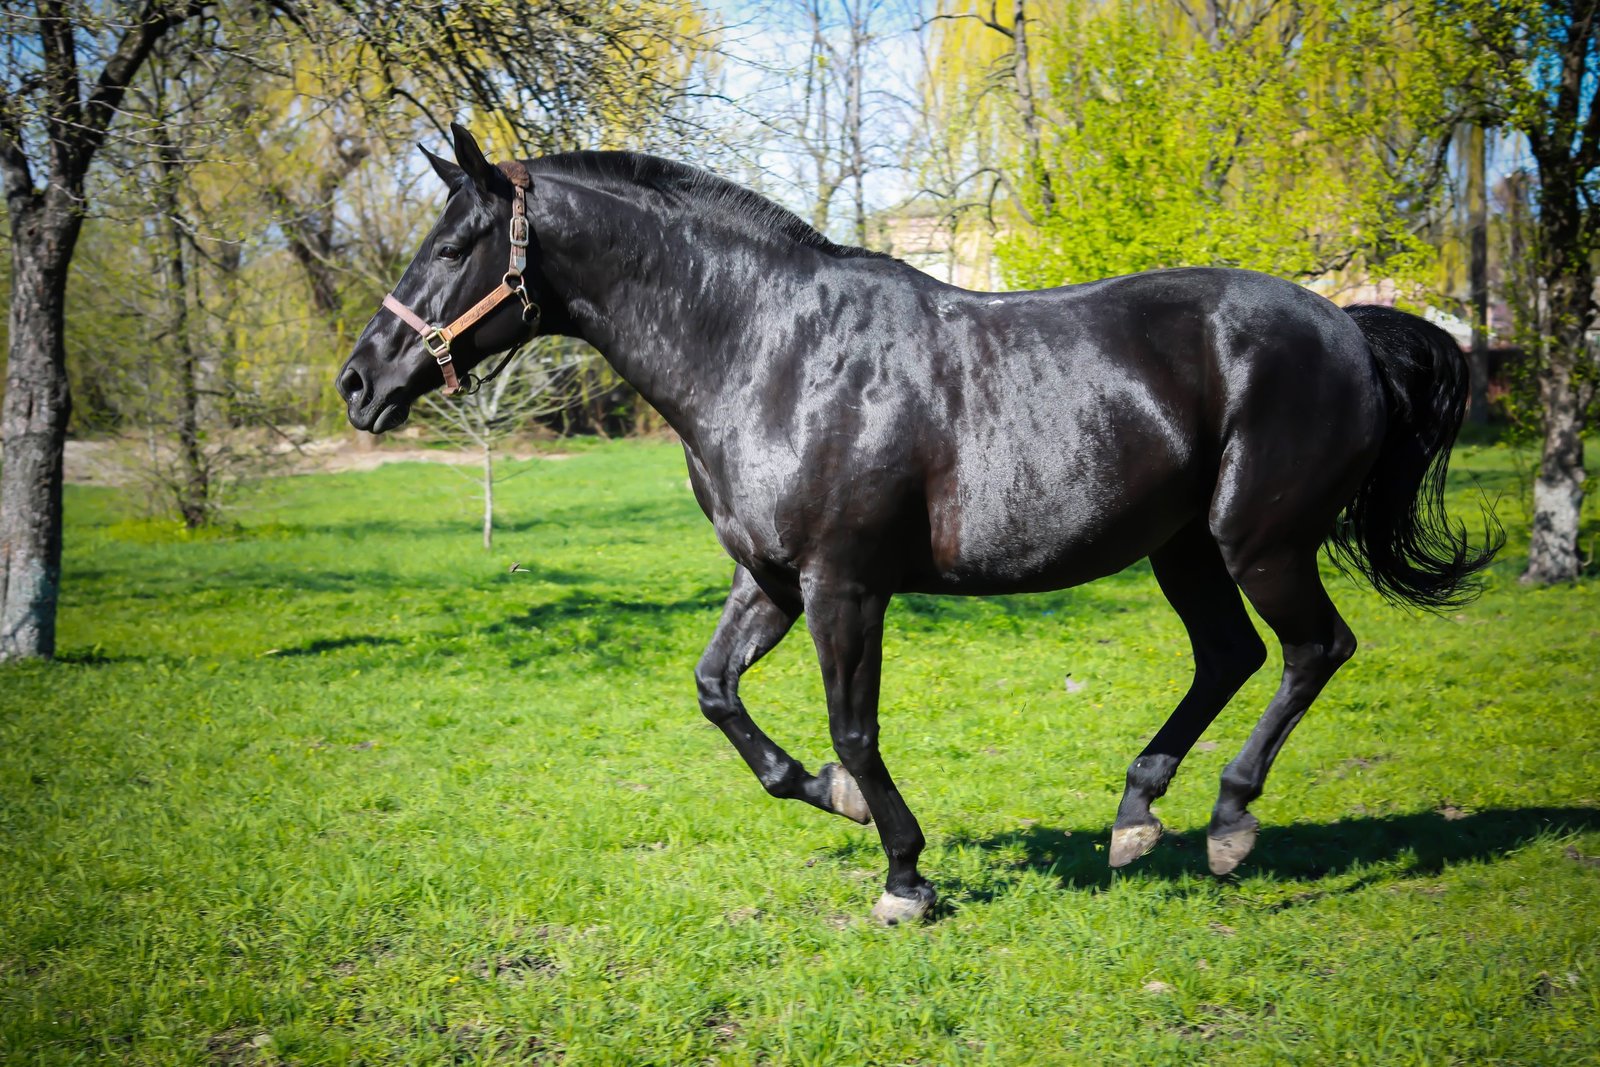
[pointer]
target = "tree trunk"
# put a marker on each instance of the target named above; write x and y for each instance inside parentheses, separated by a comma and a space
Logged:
(44, 232)
(488, 498)
(1478, 274)
(821, 209)
(192, 483)
(44, 229)
(854, 119)
(1032, 143)
(1558, 490)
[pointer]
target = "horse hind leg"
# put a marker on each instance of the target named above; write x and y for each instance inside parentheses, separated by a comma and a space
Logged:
(752, 624)
(1286, 590)
(1227, 651)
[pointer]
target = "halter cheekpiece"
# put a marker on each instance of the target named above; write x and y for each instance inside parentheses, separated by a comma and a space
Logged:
(437, 339)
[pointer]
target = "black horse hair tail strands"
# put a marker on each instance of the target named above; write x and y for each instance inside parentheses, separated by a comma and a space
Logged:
(1396, 532)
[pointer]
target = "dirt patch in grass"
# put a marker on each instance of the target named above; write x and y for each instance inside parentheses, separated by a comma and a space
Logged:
(236, 1045)
(115, 461)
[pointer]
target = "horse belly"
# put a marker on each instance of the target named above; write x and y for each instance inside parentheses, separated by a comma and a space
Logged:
(1015, 548)
(1051, 513)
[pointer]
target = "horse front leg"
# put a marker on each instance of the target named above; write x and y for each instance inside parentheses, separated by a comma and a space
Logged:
(846, 624)
(752, 624)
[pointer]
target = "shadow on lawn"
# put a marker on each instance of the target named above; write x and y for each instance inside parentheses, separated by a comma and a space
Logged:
(1301, 852)
(334, 644)
(604, 611)
(612, 629)
(95, 586)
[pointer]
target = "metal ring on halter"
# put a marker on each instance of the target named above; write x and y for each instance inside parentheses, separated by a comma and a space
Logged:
(530, 310)
(437, 342)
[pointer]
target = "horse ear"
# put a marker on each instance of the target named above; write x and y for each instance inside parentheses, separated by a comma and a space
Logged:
(471, 158)
(447, 171)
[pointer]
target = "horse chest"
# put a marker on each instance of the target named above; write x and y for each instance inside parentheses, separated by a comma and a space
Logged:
(752, 505)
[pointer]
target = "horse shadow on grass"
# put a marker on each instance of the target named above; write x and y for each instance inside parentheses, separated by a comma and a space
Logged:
(612, 628)
(1423, 844)
(324, 645)
(607, 621)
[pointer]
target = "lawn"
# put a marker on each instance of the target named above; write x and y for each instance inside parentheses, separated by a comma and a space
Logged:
(337, 787)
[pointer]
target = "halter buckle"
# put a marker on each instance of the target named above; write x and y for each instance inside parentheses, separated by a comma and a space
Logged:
(519, 231)
(437, 342)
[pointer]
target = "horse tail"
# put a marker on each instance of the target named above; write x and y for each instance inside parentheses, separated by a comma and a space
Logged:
(1396, 532)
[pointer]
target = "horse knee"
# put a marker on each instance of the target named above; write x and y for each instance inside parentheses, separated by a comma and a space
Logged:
(719, 699)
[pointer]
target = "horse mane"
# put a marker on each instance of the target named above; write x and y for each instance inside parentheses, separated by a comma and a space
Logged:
(693, 189)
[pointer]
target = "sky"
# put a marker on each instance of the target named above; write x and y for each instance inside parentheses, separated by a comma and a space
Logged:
(765, 49)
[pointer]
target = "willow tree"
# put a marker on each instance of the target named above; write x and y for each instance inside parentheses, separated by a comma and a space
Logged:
(1294, 136)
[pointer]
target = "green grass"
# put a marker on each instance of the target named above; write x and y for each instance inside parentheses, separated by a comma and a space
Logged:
(336, 787)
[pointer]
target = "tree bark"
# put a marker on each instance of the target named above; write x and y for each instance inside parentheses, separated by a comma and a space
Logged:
(44, 229)
(1032, 142)
(1566, 313)
(1478, 274)
(193, 483)
(1558, 490)
(854, 120)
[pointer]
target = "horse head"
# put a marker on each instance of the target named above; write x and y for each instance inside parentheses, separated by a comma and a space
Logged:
(474, 289)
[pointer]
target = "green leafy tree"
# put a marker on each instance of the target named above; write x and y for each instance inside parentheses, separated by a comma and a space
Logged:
(1294, 138)
(1546, 88)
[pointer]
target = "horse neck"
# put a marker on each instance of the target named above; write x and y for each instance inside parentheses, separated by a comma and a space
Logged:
(668, 310)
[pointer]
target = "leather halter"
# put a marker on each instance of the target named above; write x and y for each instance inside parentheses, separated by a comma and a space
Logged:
(437, 339)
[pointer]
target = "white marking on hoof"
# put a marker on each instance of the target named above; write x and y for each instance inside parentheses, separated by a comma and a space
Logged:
(1128, 843)
(891, 910)
(844, 796)
(1228, 851)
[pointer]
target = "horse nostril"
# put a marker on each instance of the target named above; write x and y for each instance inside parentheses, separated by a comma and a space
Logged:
(350, 384)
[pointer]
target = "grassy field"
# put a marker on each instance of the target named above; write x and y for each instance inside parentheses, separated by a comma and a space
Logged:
(335, 787)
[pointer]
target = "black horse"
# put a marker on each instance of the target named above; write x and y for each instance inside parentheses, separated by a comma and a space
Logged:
(855, 429)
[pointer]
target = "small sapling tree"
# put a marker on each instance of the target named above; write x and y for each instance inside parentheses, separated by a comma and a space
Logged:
(537, 381)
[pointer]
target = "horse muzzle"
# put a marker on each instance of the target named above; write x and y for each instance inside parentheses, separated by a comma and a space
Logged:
(363, 408)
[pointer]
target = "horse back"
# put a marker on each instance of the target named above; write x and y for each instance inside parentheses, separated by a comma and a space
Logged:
(1077, 429)
(952, 441)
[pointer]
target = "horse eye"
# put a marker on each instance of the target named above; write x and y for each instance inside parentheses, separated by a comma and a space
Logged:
(449, 252)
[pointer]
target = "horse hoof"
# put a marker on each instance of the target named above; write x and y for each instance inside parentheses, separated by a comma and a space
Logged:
(893, 909)
(1128, 843)
(844, 796)
(1226, 851)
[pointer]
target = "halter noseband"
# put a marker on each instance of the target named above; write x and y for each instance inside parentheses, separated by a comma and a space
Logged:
(436, 339)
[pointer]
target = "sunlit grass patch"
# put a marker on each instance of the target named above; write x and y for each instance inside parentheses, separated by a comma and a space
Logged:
(339, 787)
